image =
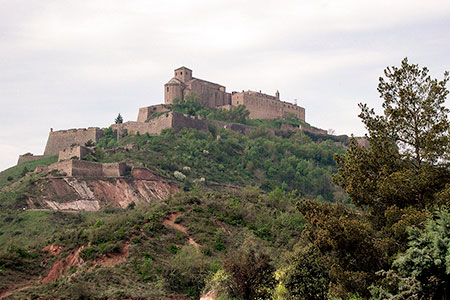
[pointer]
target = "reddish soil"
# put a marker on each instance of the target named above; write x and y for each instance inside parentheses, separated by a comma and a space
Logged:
(61, 266)
(113, 259)
(52, 249)
(170, 221)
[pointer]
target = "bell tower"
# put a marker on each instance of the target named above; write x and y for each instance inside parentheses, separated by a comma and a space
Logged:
(183, 74)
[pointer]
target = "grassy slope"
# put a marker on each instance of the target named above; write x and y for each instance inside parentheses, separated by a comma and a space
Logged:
(16, 171)
(160, 261)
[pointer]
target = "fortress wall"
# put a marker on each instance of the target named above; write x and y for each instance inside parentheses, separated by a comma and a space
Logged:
(297, 111)
(113, 169)
(154, 126)
(88, 168)
(64, 167)
(62, 139)
(260, 107)
(28, 157)
(180, 121)
(76, 151)
(145, 112)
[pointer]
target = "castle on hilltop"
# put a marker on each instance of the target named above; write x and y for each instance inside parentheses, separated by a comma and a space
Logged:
(153, 119)
(213, 95)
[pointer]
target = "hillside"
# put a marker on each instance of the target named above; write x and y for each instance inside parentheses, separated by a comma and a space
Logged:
(189, 200)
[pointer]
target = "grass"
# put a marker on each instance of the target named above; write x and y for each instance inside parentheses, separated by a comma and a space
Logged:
(16, 172)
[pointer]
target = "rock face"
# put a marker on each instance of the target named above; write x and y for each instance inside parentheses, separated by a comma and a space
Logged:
(91, 194)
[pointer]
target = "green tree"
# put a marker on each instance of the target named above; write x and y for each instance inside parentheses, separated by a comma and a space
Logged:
(427, 258)
(408, 153)
(119, 119)
(306, 276)
(252, 274)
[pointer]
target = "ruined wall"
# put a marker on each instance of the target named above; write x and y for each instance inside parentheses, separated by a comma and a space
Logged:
(145, 112)
(28, 157)
(75, 151)
(62, 139)
(86, 168)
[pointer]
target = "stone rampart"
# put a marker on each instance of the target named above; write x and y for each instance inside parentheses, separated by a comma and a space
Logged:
(62, 139)
(77, 152)
(146, 112)
(241, 128)
(180, 121)
(28, 157)
(154, 126)
(90, 169)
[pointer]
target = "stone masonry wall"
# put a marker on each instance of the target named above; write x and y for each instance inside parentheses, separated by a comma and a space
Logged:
(154, 126)
(75, 151)
(87, 168)
(28, 157)
(180, 121)
(62, 139)
(145, 112)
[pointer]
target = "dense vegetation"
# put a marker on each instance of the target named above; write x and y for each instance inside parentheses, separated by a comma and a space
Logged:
(293, 161)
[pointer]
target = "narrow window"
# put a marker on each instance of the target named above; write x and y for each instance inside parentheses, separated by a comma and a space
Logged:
(181, 73)
(167, 89)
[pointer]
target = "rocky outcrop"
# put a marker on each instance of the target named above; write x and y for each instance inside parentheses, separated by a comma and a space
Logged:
(92, 194)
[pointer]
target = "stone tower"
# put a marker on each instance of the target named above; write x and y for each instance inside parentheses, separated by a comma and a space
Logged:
(183, 74)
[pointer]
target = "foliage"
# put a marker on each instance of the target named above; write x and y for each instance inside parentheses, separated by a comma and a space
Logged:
(252, 274)
(353, 249)
(306, 275)
(427, 258)
(118, 119)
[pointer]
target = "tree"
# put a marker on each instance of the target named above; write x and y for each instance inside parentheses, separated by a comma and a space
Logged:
(427, 258)
(415, 118)
(405, 163)
(252, 274)
(306, 276)
(119, 119)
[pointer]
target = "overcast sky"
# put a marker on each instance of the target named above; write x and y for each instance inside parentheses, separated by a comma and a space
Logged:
(73, 64)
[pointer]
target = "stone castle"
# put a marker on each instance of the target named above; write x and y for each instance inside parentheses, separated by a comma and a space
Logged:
(153, 119)
(260, 106)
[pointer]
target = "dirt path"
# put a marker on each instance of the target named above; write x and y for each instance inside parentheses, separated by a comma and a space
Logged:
(170, 221)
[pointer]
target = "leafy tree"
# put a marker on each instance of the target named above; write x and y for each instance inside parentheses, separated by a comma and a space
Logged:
(405, 163)
(252, 274)
(119, 119)
(306, 276)
(352, 249)
(427, 258)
